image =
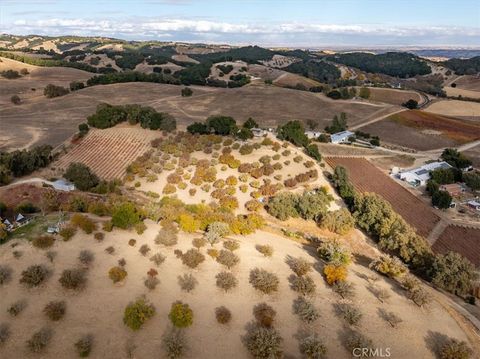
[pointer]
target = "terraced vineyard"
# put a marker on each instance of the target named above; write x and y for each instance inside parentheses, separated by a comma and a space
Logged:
(464, 240)
(368, 178)
(108, 152)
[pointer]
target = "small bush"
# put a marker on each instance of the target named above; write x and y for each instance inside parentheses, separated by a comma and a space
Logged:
(4, 333)
(192, 258)
(264, 314)
(228, 258)
(73, 279)
(55, 310)
(344, 290)
(83, 222)
(357, 340)
(263, 281)
(199, 242)
(212, 253)
(187, 282)
(334, 253)
(419, 296)
(43, 242)
(158, 259)
(454, 349)
(181, 315)
(144, 249)
(303, 285)
(226, 281)
(266, 250)
(174, 343)
(388, 265)
(263, 343)
(40, 340)
(349, 313)
(16, 308)
(86, 257)
(67, 232)
(34, 275)
(107, 226)
(299, 266)
(178, 253)
(110, 250)
(151, 282)
(99, 236)
(231, 245)
(312, 347)
(335, 273)
(223, 315)
(5, 274)
(122, 262)
(167, 237)
(117, 274)
(84, 346)
(305, 310)
(132, 242)
(137, 313)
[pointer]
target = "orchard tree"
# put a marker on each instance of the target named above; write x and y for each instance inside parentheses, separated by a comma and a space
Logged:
(81, 176)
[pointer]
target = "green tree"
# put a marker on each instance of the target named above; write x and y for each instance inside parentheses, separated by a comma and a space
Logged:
(443, 175)
(244, 133)
(198, 127)
(283, 206)
(364, 92)
(187, 92)
(222, 125)
(410, 104)
(313, 205)
(125, 215)
(51, 91)
(250, 123)
(441, 199)
(472, 180)
(455, 158)
(81, 176)
(312, 151)
(338, 124)
(453, 273)
(293, 132)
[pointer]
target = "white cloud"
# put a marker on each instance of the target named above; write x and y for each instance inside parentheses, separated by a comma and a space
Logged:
(205, 29)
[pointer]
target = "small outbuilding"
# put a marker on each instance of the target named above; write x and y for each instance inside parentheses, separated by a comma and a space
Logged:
(453, 189)
(474, 204)
(341, 137)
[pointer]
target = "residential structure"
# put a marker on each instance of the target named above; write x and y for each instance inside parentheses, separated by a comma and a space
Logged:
(258, 132)
(453, 189)
(341, 137)
(419, 176)
(474, 204)
(312, 134)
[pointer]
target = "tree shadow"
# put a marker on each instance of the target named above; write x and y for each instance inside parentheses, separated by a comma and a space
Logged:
(435, 341)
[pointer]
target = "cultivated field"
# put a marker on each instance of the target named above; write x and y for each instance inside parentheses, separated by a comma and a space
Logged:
(451, 91)
(468, 82)
(98, 308)
(456, 108)
(392, 96)
(463, 240)
(422, 130)
(367, 178)
(108, 152)
(54, 120)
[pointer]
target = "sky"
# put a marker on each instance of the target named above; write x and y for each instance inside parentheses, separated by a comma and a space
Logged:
(301, 23)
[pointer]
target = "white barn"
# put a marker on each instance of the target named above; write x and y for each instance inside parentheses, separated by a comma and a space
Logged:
(341, 137)
(419, 176)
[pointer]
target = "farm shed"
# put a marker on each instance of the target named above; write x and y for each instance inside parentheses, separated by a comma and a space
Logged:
(341, 137)
(453, 189)
(419, 176)
(474, 204)
(258, 132)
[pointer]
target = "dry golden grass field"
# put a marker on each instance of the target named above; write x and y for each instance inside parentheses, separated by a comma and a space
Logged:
(392, 96)
(456, 108)
(54, 120)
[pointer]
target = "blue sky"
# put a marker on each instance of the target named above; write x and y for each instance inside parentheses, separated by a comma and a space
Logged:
(270, 23)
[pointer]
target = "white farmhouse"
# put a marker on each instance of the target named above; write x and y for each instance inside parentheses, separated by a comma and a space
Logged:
(341, 137)
(419, 176)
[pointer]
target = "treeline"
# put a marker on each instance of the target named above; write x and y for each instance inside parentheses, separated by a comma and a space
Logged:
(398, 64)
(23, 162)
(224, 126)
(47, 62)
(376, 216)
(131, 76)
(249, 54)
(294, 132)
(464, 66)
(316, 70)
(108, 116)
